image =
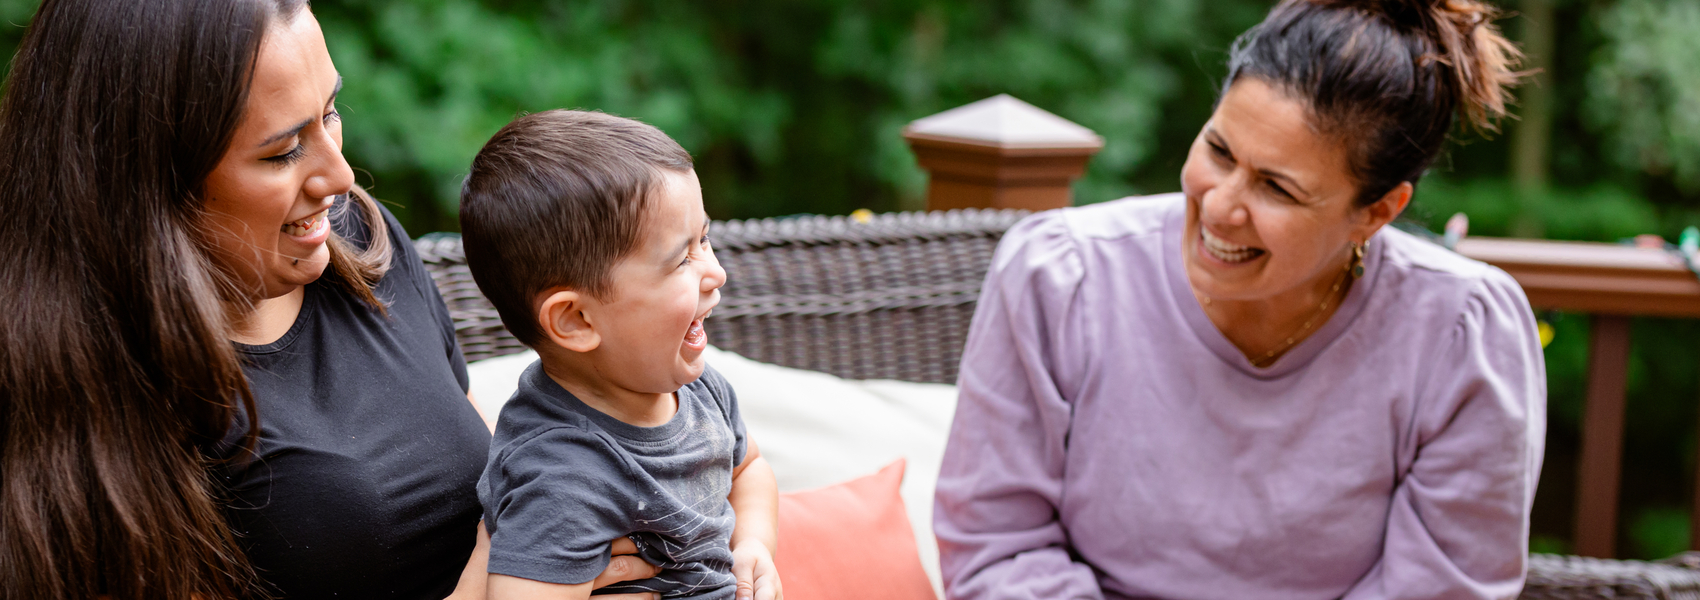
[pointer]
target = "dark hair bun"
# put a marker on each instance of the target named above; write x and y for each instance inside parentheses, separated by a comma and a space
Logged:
(1481, 58)
(1464, 38)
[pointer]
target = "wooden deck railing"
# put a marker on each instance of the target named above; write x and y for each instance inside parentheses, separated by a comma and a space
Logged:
(1613, 283)
(1004, 153)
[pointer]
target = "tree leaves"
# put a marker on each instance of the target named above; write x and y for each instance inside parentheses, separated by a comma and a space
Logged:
(789, 106)
(1644, 87)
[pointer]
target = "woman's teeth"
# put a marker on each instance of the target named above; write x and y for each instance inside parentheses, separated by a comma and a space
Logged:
(1225, 251)
(307, 226)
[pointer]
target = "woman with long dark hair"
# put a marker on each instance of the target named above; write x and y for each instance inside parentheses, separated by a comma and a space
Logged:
(1255, 388)
(225, 372)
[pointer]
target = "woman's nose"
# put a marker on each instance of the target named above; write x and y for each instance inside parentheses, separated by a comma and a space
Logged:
(1225, 205)
(331, 176)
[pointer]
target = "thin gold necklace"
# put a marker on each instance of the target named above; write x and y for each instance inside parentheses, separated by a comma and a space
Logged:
(1269, 357)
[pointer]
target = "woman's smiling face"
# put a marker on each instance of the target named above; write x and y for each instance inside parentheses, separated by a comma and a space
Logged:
(267, 197)
(1270, 201)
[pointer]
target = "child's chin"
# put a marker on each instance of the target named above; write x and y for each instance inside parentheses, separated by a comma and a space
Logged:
(693, 367)
(692, 356)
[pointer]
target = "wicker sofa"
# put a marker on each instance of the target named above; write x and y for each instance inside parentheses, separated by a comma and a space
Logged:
(891, 298)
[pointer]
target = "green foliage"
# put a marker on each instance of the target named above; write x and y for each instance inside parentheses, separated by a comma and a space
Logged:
(1603, 212)
(429, 81)
(1660, 532)
(1644, 88)
(788, 106)
(1546, 544)
(1097, 63)
(16, 13)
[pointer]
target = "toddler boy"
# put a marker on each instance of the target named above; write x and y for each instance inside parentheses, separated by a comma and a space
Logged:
(587, 233)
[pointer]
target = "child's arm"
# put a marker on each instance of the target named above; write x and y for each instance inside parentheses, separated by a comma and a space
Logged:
(755, 538)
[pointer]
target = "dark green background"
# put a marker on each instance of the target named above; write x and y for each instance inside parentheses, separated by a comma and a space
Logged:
(795, 106)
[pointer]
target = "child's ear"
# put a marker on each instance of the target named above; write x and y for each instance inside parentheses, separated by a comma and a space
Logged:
(561, 315)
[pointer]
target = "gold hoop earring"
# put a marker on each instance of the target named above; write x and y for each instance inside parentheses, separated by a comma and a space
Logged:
(1357, 264)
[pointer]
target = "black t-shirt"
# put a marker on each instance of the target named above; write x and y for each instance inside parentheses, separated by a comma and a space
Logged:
(369, 452)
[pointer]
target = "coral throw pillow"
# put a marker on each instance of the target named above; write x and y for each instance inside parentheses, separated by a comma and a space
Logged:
(850, 540)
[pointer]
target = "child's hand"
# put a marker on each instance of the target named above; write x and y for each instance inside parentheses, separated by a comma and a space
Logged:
(752, 564)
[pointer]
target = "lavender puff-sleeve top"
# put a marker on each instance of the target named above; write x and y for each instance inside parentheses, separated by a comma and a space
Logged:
(1110, 442)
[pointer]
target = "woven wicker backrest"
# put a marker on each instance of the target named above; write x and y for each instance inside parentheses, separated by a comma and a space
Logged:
(887, 299)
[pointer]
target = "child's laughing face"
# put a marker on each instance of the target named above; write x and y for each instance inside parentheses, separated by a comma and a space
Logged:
(650, 327)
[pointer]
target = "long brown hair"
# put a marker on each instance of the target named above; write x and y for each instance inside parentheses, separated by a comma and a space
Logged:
(117, 376)
(1388, 77)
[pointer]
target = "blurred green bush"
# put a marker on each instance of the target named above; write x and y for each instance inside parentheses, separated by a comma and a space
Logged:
(788, 106)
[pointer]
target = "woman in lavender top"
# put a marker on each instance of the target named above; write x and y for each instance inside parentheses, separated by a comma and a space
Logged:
(1255, 388)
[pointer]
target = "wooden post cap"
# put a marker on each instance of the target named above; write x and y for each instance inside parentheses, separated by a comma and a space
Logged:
(1000, 153)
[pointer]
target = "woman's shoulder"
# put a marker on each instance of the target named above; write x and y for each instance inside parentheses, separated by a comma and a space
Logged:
(1052, 256)
(1454, 287)
(1066, 231)
(1131, 216)
(1434, 264)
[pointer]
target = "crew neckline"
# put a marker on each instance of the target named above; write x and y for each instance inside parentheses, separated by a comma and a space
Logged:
(663, 432)
(309, 306)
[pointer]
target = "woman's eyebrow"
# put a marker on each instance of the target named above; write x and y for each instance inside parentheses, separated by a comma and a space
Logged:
(1216, 138)
(1272, 174)
(296, 129)
(287, 133)
(335, 91)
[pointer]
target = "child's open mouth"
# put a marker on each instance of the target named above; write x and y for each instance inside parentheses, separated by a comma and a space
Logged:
(695, 337)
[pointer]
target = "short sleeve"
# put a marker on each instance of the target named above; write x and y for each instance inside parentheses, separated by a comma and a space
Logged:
(1458, 523)
(554, 503)
(727, 399)
(405, 262)
(451, 344)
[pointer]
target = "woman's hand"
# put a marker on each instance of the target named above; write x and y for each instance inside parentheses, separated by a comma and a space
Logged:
(752, 564)
(472, 578)
(624, 566)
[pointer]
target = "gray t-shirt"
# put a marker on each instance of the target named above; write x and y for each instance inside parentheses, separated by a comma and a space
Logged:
(564, 480)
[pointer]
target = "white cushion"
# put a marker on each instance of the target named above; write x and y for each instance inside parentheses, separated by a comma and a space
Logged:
(814, 429)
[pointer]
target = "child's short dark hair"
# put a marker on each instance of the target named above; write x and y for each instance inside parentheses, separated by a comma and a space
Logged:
(556, 198)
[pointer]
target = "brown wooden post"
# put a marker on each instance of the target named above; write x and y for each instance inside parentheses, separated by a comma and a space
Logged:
(1602, 437)
(1000, 153)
